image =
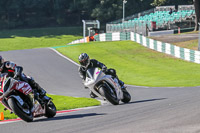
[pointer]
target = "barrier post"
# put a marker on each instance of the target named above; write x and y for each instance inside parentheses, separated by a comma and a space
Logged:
(1, 116)
(179, 30)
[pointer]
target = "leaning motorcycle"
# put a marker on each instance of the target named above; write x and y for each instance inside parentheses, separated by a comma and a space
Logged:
(105, 86)
(18, 97)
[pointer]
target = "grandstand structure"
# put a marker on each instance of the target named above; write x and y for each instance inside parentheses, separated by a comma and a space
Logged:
(157, 19)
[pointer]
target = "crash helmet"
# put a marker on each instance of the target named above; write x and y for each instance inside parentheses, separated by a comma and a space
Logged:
(84, 60)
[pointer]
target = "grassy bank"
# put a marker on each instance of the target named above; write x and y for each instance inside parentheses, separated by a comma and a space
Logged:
(44, 37)
(38, 38)
(192, 44)
(62, 103)
(138, 65)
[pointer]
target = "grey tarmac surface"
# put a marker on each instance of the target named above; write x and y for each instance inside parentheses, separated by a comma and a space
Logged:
(151, 110)
(53, 72)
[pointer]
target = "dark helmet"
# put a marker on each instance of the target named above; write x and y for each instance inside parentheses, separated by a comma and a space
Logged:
(1, 63)
(84, 59)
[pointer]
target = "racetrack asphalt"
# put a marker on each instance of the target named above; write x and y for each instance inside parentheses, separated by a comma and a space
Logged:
(151, 110)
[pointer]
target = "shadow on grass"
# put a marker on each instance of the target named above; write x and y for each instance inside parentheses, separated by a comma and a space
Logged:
(42, 32)
(67, 117)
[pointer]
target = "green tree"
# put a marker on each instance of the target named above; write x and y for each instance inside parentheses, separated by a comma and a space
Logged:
(158, 2)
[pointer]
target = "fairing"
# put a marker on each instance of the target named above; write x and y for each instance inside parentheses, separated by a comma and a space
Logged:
(95, 76)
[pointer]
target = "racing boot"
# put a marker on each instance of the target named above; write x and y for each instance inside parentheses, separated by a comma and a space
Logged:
(42, 93)
(123, 87)
(37, 97)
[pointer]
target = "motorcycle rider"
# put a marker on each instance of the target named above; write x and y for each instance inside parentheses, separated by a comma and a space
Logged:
(86, 63)
(16, 72)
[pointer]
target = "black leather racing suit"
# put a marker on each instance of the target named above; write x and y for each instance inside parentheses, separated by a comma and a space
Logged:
(95, 63)
(10, 68)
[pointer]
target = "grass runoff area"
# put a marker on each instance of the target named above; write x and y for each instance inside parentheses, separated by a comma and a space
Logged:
(134, 63)
(138, 65)
(191, 44)
(38, 38)
(62, 103)
(44, 37)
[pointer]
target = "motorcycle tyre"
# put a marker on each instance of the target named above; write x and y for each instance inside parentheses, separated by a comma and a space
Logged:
(50, 111)
(106, 93)
(16, 109)
(127, 97)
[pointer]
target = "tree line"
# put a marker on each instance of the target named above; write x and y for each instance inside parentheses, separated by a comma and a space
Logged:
(45, 13)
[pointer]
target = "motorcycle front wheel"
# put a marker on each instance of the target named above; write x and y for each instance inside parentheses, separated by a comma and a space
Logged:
(106, 92)
(50, 109)
(127, 96)
(24, 114)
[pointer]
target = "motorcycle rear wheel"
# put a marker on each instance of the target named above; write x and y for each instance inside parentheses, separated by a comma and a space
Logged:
(18, 110)
(50, 110)
(107, 94)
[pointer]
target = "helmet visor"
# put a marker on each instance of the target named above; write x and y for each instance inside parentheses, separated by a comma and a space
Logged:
(84, 62)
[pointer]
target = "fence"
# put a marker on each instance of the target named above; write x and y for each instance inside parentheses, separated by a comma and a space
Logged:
(155, 19)
(117, 36)
(83, 40)
(178, 52)
(140, 27)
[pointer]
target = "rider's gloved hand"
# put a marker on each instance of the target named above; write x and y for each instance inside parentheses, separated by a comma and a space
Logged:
(104, 69)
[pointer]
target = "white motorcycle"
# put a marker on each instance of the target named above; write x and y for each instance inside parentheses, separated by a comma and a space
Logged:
(105, 86)
(18, 97)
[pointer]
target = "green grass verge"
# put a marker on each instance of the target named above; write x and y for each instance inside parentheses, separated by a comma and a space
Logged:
(138, 65)
(62, 103)
(44, 37)
(38, 38)
(192, 44)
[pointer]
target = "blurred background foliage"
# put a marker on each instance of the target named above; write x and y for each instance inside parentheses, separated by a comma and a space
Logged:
(18, 14)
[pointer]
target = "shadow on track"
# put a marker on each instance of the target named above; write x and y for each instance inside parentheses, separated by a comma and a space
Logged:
(67, 117)
(148, 100)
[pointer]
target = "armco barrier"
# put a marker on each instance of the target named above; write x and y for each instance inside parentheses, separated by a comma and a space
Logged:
(178, 52)
(116, 36)
(83, 40)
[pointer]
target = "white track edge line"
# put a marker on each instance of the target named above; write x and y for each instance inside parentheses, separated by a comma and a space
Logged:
(126, 84)
(64, 56)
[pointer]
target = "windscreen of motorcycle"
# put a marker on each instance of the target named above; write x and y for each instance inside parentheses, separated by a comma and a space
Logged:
(93, 73)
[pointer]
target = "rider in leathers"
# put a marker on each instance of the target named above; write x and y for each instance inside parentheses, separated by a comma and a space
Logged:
(13, 70)
(86, 63)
